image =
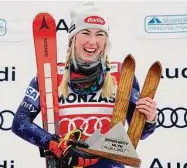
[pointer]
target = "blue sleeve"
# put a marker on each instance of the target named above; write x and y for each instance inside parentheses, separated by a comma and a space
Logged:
(149, 127)
(23, 124)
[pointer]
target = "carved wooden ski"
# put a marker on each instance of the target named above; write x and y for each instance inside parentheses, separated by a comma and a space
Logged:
(123, 91)
(149, 89)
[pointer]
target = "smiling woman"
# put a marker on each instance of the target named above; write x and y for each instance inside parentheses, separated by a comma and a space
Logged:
(89, 44)
(89, 51)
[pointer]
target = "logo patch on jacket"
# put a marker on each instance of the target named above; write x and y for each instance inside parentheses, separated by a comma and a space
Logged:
(32, 93)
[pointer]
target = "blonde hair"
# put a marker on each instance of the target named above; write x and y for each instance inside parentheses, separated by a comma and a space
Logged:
(109, 82)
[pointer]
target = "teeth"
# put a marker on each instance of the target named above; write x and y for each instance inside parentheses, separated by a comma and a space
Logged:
(90, 49)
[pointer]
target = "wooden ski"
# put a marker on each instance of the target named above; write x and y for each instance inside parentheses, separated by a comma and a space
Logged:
(149, 89)
(123, 91)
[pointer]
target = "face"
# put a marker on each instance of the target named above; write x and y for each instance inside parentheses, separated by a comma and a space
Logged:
(89, 44)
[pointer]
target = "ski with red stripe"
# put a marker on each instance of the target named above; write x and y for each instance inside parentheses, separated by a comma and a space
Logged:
(44, 34)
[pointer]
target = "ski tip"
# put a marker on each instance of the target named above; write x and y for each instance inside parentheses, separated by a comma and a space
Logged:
(129, 59)
(43, 14)
(129, 56)
(44, 22)
(157, 66)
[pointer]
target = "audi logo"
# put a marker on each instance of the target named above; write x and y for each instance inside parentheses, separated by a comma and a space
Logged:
(86, 124)
(4, 124)
(169, 117)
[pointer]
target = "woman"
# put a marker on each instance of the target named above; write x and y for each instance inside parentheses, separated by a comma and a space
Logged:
(87, 89)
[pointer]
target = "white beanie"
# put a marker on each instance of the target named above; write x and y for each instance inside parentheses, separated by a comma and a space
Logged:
(86, 15)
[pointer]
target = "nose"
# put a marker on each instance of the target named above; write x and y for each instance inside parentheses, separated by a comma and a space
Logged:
(92, 40)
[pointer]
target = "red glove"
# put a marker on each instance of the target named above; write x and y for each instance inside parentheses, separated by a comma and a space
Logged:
(58, 147)
(74, 157)
(66, 149)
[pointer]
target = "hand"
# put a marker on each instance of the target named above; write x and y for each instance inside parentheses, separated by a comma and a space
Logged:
(148, 107)
(58, 145)
(66, 149)
(74, 157)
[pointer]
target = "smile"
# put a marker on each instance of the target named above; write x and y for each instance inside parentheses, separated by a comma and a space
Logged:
(90, 50)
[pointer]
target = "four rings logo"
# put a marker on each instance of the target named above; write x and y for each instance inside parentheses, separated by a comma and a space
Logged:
(88, 125)
(6, 117)
(172, 117)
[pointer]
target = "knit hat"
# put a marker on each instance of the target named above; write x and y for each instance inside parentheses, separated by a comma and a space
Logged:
(86, 15)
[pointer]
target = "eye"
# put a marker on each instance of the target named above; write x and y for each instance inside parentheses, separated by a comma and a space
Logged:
(86, 33)
(100, 34)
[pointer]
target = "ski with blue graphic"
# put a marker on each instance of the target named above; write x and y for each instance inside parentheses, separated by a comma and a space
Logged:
(44, 34)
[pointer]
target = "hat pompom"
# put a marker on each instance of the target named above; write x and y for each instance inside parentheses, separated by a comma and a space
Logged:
(82, 8)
